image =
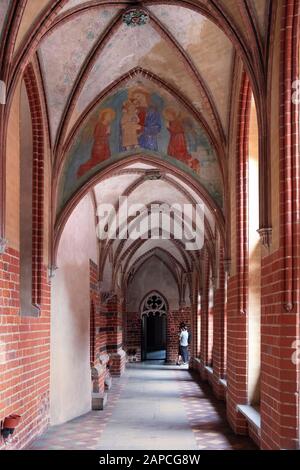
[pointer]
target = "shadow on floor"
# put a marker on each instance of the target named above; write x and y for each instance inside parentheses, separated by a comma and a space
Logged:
(173, 409)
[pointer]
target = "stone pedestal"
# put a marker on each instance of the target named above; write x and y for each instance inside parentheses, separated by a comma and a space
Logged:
(108, 382)
(99, 373)
(99, 400)
(117, 363)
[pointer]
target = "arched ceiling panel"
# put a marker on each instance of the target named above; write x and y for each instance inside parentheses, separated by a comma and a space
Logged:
(232, 7)
(62, 54)
(260, 7)
(131, 47)
(168, 247)
(151, 227)
(157, 277)
(208, 214)
(4, 7)
(140, 117)
(208, 47)
(31, 12)
(106, 191)
(71, 4)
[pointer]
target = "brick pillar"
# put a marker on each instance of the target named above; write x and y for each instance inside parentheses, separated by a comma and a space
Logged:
(193, 326)
(219, 332)
(237, 392)
(113, 310)
(280, 270)
(204, 318)
(100, 374)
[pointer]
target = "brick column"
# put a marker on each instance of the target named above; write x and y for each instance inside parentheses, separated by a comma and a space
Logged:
(280, 270)
(100, 374)
(237, 302)
(204, 318)
(24, 354)
(219, 332)
(174, 318)
(112, 309)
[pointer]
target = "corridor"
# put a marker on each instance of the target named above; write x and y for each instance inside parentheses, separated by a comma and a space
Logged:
(153, 406)
(149, 203)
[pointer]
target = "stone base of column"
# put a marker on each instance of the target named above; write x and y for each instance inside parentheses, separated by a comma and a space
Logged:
(99, 400)
(108, 382)
(236, 420)
(99, 373)
(117, 363)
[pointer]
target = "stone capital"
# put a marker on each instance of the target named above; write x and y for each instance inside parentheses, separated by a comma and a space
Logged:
(227, 266)
(51, 271)
(3, 245)
(265, 234)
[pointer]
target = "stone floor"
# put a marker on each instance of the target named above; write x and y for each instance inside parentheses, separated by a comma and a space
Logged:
(153, 406)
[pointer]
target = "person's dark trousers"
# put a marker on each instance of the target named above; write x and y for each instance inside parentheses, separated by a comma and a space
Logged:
(184, 353)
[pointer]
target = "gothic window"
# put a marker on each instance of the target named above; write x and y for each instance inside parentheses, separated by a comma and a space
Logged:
(154, 304)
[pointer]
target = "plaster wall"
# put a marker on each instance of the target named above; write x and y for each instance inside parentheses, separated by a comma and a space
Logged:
(70, 381)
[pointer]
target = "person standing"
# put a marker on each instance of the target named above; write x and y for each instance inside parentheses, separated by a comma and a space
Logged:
(184, 343)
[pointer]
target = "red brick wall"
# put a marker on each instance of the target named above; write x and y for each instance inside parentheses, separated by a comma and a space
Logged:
(237, 303)
(37, 182)
(219, 333)
(111, 318)
(24, 355)
(174, 318)
(236, 357)
(279, 376)
(280, 270)
(134, 333)
(95, 338)
(204, 317)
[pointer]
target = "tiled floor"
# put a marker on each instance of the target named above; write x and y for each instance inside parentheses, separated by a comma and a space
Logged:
(153, 406)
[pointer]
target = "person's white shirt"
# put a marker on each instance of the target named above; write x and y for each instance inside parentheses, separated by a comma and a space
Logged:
(184, 338)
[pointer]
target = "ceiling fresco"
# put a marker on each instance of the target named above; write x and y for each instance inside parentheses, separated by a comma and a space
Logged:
(201, 38)
(132, 47)
(140, 117)
(180, 59)
(72, 41)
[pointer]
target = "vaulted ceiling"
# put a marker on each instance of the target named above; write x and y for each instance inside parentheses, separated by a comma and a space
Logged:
(184, 56)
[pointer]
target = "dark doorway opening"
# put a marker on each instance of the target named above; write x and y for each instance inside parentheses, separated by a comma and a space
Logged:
(154, 337)
(154, 327)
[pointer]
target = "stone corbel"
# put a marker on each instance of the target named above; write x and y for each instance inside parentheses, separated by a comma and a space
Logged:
(107, 297)
(51, 271)
(153, 174)
(3, 245)
(213, 280)
(227, 266)
(265, 237)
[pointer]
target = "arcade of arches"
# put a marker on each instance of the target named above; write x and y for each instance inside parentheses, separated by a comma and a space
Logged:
(149, 103)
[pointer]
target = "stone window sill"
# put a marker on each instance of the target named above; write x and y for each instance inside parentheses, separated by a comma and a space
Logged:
(209, 369)
(223, 382)
(251, 413)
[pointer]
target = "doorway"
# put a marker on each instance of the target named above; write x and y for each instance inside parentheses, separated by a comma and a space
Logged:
(155, 337)
(154, 328)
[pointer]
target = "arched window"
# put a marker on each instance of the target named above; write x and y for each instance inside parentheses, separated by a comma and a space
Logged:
(254, 252)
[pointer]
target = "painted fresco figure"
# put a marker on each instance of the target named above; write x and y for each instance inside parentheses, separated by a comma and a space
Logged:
(149, 120)
(177, 147)
(101, 148)
(129, 126)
